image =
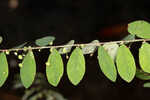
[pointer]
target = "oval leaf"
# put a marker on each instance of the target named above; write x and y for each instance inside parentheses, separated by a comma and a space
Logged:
(45, 41)
(112, 49)
(125, 64)
(107, 64)
(144, 56)
(54, 68)
(3, 68)
(88, 49)
(139, 28)
(28, 70)
(76, 66)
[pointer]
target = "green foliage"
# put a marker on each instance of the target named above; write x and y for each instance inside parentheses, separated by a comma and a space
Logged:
(21, 45)
(107, 64)
(3, 68)
(48, 40)
(125, 64)
(142, 75)
(112, 49)
(129, 37)
(54, 68)
(88, 49)
(28, 70)
(76, 66)
(40, 89)
(144, 56)
(66, 49)
(146, 85)
(140, 28)
(113, 57)
(1, 39)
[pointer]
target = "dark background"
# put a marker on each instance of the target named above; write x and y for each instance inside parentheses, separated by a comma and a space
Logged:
(66, 20)
(80, 20)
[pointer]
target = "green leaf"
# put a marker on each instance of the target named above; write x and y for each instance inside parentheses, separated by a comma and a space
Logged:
(3, 68)
(139, 28)
(45, 41)
(144, 57)
(88, 49)
(1, 39)
(125, 64)
(54, 68)
(76, 66)
(112, 49)
(66, 49)
(146, 85)
(142, 75)
(28, 70)
(129, 37)
(22, 45)
(107, 64)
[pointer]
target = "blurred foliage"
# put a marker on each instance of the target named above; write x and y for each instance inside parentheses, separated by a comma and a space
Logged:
(40, 89)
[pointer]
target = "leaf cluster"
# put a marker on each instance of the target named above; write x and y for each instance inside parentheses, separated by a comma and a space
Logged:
(114, 58)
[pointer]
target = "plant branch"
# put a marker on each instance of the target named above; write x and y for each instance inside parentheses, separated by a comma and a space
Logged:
(74, 45)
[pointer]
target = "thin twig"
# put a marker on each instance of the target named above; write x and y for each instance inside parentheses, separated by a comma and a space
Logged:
(74, 45)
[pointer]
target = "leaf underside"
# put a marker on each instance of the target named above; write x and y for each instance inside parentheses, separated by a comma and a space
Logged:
(66, 49)
(88, 49)
(44, 41)
(111, 49)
